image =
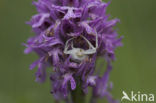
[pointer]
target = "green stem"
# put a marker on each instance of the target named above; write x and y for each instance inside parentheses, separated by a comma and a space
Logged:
(78, 95)
(93, 99)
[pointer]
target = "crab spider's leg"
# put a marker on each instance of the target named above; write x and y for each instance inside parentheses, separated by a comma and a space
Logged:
(72, 45)
(96, 41)
(67, 46)
(66, 49)
(90, 45)
(93, 50)
(89, 51)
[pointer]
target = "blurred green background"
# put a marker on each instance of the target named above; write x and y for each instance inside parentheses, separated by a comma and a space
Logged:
(134, 69)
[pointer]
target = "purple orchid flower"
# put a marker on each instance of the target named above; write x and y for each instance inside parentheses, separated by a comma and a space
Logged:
(70, 35)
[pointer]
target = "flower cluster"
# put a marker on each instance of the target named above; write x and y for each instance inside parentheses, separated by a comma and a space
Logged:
(70, 36)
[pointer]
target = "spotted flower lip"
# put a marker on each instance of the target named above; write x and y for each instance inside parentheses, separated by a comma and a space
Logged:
(58, 21)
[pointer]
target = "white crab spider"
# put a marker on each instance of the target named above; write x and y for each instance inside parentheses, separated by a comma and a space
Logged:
(79, 53)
